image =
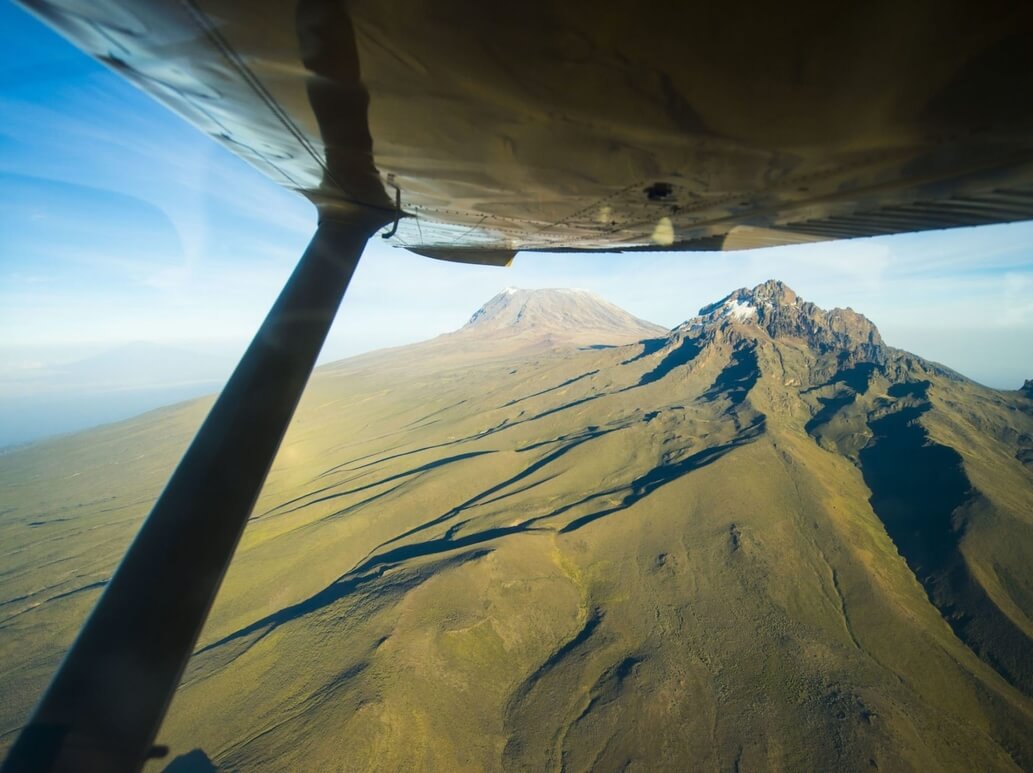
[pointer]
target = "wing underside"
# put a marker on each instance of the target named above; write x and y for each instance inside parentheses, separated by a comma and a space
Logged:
(546, 126)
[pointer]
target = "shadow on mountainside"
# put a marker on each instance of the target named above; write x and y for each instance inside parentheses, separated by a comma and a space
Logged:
(732, 385)
(663, 474)
(737, 379)
(280, 509)
(195, 761)
(374, 567)
(856, 380)
(683, 354)
(344, 586)
(562, 384)
(649, 346)
(920, 492)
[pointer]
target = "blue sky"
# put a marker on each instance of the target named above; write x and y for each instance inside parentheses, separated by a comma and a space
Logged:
(119, 222)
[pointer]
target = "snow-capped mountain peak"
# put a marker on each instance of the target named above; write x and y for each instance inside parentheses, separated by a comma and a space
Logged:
(775, 309)
(558, 313)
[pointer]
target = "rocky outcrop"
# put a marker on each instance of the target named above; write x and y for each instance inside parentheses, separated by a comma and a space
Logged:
(778, 311)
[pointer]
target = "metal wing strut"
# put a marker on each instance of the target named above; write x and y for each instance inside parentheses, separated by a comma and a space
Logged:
(107, 700)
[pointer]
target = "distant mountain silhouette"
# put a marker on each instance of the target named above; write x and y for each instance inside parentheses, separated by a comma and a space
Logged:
(561, 315)
(144, 364)
(112, 385)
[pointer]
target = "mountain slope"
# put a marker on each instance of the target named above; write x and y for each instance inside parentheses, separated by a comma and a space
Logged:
(764, 539)
(575, 315)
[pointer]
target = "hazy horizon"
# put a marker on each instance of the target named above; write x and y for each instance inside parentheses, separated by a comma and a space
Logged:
(85, 385)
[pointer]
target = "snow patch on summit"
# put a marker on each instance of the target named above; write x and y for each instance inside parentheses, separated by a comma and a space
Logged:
(740, 311)
(730, 308)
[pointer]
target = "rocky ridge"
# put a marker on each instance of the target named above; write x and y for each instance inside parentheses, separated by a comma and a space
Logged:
(780, 312)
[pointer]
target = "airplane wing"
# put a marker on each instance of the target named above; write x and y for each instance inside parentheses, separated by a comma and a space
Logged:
(582, 125)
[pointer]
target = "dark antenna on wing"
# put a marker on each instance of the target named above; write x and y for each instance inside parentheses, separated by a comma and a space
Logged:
(398, 207)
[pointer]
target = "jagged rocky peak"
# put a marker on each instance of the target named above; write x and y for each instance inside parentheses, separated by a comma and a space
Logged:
(744, 303)
(776, 309)
(1027, 387)
(563, 313)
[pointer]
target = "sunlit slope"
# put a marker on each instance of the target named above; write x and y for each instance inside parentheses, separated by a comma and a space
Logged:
(764, 540)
